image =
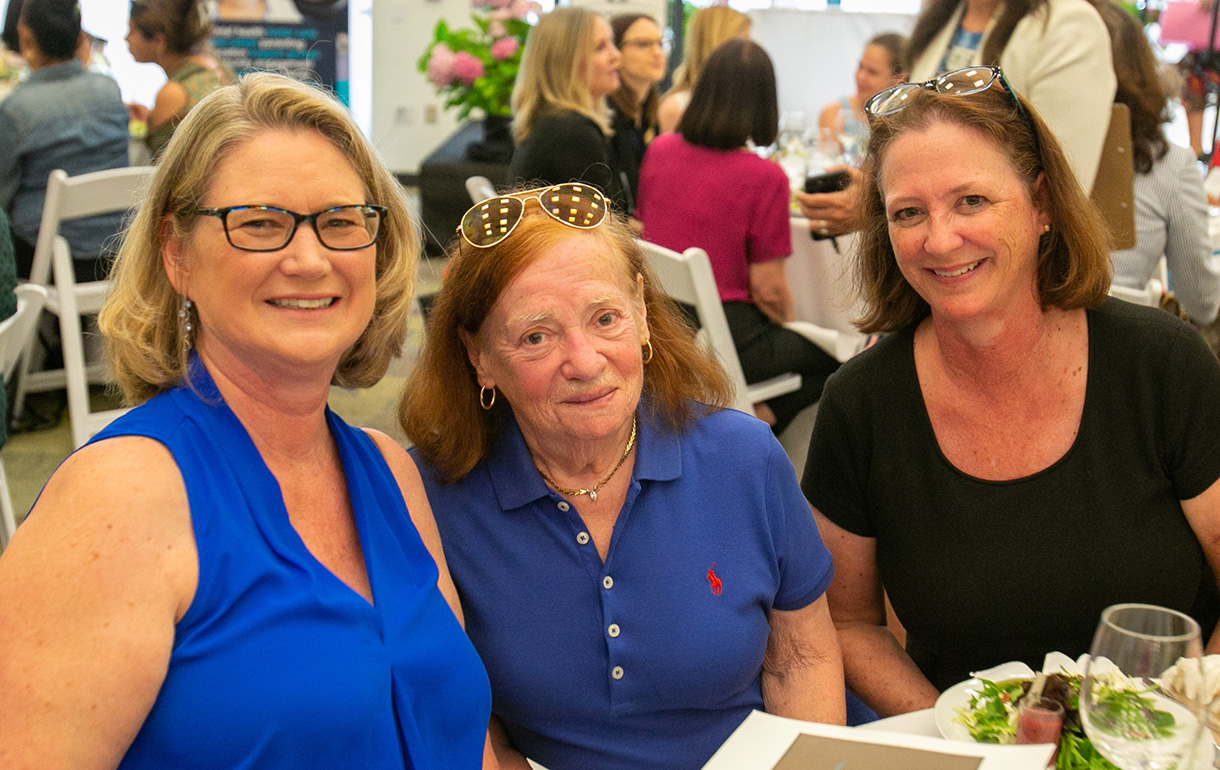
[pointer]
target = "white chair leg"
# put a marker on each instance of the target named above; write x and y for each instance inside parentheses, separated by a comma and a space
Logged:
(8, 520)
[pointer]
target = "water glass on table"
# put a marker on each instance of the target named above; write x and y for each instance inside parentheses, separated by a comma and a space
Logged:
(1122, 708)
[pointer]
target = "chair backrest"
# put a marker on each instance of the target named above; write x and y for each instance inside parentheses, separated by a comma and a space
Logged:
(480, 189)
(15, 330)
(84, 195)
(688, 278)
(1149, 296)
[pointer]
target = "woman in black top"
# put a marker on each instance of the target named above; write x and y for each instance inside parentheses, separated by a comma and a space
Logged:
(633, 107)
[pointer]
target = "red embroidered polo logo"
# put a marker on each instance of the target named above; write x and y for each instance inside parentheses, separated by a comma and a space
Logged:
(713, 580)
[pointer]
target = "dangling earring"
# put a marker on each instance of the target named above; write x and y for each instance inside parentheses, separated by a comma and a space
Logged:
(184, 323)
(483, 402)
(648, 356)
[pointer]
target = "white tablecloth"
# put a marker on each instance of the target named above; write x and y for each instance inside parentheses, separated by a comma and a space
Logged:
(820, 279)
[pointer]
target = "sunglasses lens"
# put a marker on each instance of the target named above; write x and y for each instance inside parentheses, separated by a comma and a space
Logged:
(965, 82)
(576, 205)
(491, 221)
(891, 100)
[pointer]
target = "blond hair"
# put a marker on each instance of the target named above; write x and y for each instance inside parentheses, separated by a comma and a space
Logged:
(709, 27)
(144, 337)
(554, 71)
(439, 409)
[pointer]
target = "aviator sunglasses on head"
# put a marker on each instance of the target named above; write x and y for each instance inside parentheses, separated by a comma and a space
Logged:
(963, 82)
(576, 205)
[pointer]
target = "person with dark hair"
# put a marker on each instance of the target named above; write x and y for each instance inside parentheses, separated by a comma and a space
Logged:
(12, 15)
(61, 117)
(637, 567)
(1170, 203)
(633, 107)
(702, 187)
(1013, 422)
(173, 34)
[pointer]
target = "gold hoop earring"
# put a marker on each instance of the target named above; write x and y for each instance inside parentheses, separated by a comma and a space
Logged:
(483, 402)
(648, 343)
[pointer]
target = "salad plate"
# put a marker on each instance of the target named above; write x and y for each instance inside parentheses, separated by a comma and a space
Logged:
(957, 699)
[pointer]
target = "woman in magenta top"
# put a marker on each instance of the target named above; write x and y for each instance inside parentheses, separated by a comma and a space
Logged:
(702, 187)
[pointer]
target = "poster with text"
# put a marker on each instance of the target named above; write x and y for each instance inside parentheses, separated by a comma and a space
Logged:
(304, 39)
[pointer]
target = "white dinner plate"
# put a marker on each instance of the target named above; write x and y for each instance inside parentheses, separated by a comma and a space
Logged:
(958, 696)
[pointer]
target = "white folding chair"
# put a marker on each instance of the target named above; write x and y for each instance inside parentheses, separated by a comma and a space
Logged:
(1150, 295)
(687, 278)
(480, 188)
(15, 333)
(84, 195)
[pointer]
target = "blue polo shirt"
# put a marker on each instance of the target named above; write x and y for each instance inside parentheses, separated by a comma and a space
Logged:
(653, 658)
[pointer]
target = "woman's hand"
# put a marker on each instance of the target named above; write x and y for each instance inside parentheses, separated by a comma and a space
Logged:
(831, 213)
(875, 666)
(1203, 515)
(769, 291)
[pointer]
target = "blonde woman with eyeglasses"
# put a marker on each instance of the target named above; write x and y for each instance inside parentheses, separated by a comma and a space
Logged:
(637, 567)
(1020, 451)
(229, 575)
(709, 27)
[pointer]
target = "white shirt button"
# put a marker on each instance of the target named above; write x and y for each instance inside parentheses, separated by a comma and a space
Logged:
(583, 538)
(613, 630)
(563, 506)
(617, 672)
(608, 582)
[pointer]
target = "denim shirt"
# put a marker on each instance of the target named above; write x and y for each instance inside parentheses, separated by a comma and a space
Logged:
(61, 117)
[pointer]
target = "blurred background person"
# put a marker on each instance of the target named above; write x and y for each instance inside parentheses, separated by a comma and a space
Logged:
(709, 27)
(882, 64)
(61, 117)
(702, 187)
(1170, 204)
(561, 124)
(238, 576)
(1056, 54)
(173, 34)
(633, 107)
(613, 530)
(1012, 415)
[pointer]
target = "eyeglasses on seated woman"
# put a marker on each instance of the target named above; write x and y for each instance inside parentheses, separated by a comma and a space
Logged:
(613, 530)
(239, 577)
(1013, 414)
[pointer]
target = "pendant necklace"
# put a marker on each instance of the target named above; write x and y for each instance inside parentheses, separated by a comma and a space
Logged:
(592, 491)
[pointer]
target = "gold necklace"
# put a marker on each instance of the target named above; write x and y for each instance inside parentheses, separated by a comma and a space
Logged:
(592, 491)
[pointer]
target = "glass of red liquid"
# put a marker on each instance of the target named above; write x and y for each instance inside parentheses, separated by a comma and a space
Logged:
(1039, 721)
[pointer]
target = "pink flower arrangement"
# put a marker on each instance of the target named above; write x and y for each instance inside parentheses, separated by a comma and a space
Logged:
(504, 48)
(475, 68)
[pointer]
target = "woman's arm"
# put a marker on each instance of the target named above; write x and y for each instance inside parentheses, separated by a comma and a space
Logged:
(93, 584)
(508, 757)
(829, 117)
(802, 673)
(170, 99)
(1203, 514)
(875, 667)
(670, 109)
(769, 291)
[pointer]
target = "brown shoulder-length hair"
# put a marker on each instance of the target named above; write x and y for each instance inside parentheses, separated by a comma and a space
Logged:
(439, 409)
(1140, 85)
(938, 13)
(1073, 258)
(734, 100)
(624, 100)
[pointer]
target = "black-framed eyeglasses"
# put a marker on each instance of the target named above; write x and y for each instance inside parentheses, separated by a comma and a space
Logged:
(269, 228)
(574, 204)
(963, 82)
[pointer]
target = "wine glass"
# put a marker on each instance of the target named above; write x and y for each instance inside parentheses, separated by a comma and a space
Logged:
(1122, 708)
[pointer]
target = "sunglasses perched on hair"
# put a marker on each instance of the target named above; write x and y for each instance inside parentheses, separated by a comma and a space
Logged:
(576, 205)
(963, 82)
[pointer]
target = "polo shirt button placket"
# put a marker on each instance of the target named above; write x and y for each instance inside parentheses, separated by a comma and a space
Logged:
(582, 538)
(613, 630)
(563, 506)
(607, 582)
(617, 672)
